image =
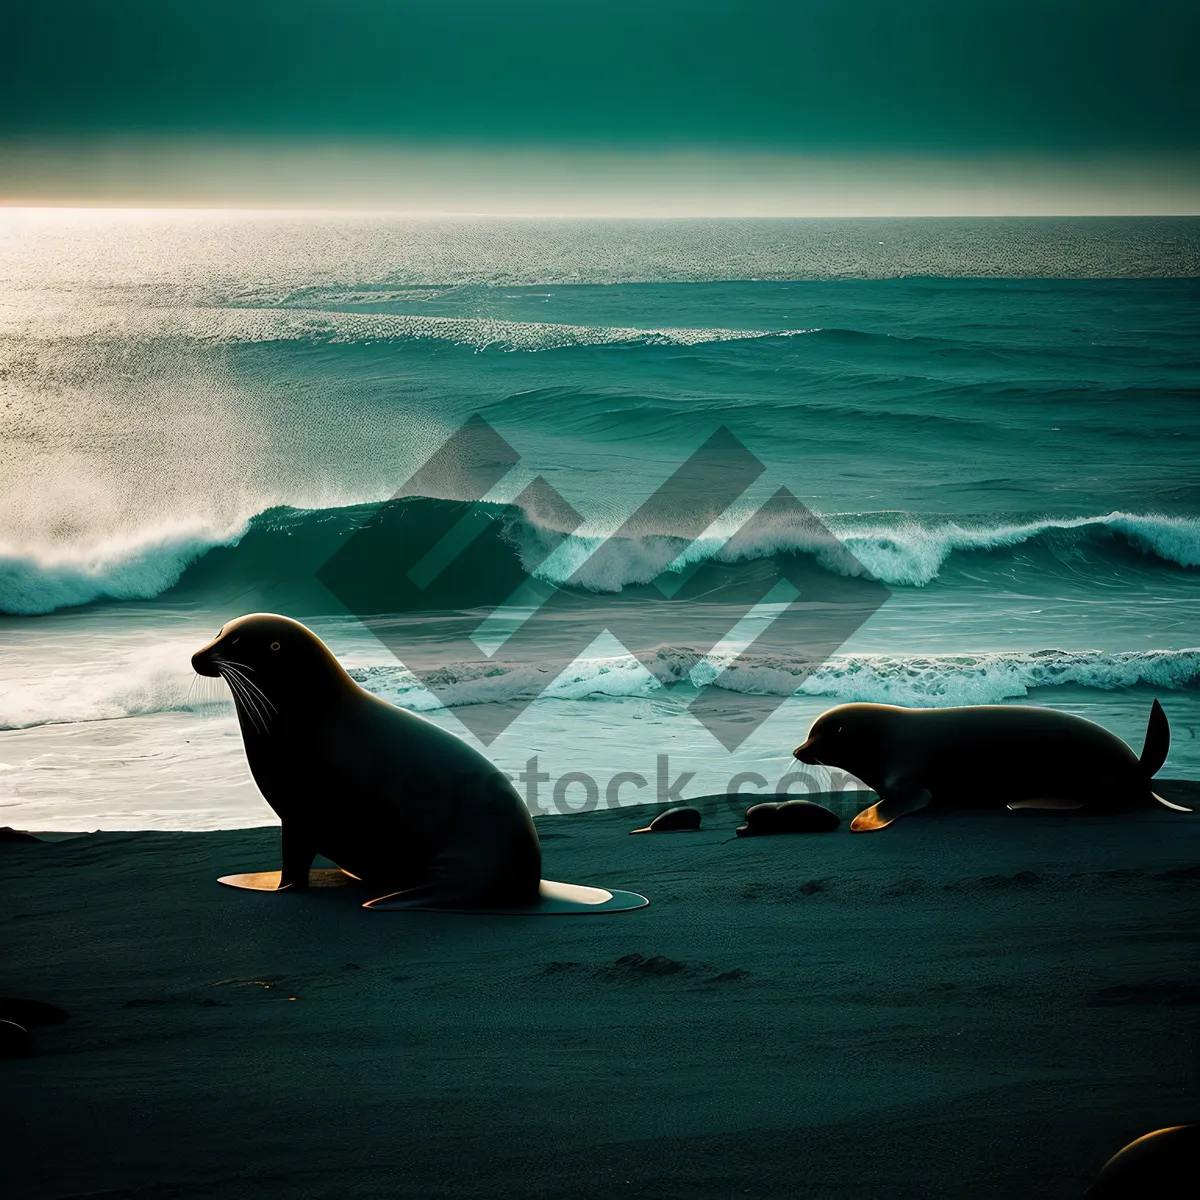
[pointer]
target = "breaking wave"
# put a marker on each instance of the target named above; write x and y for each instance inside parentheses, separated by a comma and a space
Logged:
(282, 544)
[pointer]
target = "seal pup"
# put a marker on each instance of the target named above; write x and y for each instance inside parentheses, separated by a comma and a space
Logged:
(985, 757)
(420, 817)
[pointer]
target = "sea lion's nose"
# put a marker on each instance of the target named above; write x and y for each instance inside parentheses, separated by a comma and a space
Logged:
(801, 751)
(201, 663)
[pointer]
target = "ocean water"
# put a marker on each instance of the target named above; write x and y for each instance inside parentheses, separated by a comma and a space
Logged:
(997, 419)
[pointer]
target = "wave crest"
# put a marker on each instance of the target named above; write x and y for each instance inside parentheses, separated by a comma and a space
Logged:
(905, 552)
(913, 554)
(139, 566)
(282, 543)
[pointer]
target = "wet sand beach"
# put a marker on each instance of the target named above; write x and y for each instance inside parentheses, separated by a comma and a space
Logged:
(975, 1004)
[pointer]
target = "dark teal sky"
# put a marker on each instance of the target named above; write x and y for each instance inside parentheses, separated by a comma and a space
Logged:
(908, 76)
(566, 106)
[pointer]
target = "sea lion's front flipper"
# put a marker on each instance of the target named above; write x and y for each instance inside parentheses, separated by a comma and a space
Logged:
(895, 804)
(298, 854)
(270, 881)
(553, 899)
(1047, 803)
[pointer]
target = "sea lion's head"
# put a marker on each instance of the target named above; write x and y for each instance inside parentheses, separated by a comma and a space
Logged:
(842, 737)
(270, 663)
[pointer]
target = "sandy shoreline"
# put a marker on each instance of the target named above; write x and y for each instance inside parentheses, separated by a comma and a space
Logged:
(982, 1005)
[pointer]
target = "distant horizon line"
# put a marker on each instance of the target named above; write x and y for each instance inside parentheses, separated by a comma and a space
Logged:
(447, 182)
(23, 204)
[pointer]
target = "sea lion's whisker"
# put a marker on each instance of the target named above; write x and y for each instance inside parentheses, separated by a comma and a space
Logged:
(256, 690)
(248, 702)
(258, 719)
(241, 669)
(206, 692)
(261, 718)
(239, 685)
(202, 694)
(237, 669)
(239, 698)
(253, 689)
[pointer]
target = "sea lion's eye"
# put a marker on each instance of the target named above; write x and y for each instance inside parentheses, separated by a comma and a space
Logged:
(274, 645)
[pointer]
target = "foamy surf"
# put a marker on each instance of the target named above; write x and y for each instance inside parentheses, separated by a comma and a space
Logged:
(913, 552)
(165, 685)
(153, 680)
(920, 681)
(902, 550)
(136, 566)
(899, 549)
(246, 326)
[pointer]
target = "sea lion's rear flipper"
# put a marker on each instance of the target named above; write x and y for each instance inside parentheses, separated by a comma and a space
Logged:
(1169, 804)
(268, 881)
(894, 804)
(1158, 742)
(1047, 803)
(553, 899)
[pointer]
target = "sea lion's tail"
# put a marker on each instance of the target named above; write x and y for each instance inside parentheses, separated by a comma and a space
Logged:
(1154, 752)
(1158, 742)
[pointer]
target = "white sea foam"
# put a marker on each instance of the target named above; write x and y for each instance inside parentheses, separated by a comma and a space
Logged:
(233, 326)
(903, 551)
(153, 681)
(137, 566)
(914, 553)
(921, 681)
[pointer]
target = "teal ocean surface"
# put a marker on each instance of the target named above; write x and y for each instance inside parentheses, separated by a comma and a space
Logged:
(998, 419)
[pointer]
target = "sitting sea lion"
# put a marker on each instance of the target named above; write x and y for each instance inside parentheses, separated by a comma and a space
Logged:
(416, 814)
(985, 757)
